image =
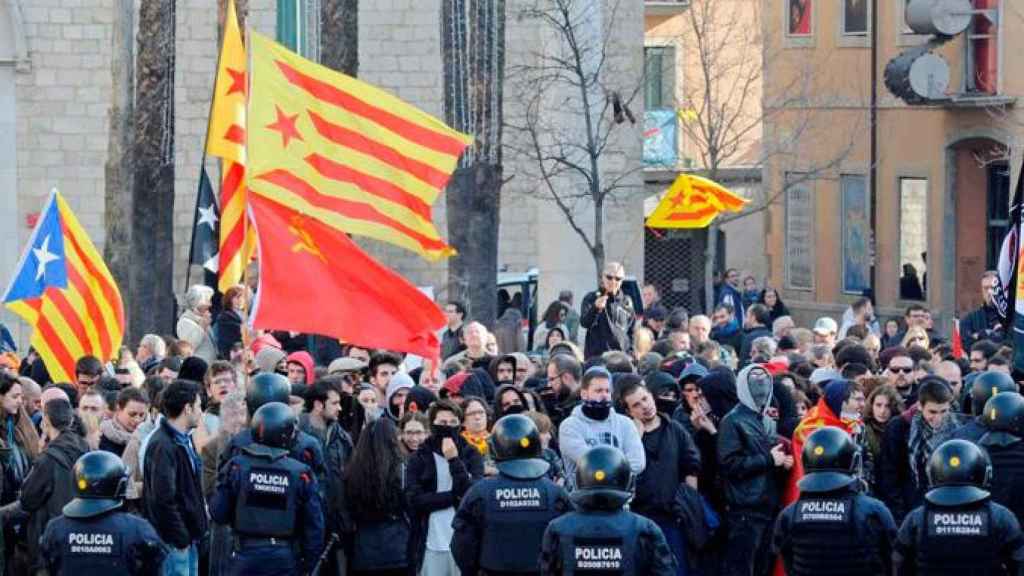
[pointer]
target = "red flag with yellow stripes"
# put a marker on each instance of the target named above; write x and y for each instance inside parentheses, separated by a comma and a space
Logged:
(347, 153)
(225, 139)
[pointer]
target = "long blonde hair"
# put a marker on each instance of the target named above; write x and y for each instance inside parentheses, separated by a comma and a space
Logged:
(913, 333)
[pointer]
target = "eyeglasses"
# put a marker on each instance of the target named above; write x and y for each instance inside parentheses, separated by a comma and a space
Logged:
(475, 413)
(903, 369)
(556, 378)
(611, 278)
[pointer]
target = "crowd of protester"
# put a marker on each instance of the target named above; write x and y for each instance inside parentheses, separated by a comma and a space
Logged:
(710, 413)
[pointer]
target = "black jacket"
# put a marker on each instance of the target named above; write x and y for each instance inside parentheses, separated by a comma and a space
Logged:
(894, 482)
(671, 457)
(49, 486)
(749, 476)
(172, 491)
(749, 335)
(228, 329)
(608, 329)
(421, 488)
(338, 448)
(983, 323)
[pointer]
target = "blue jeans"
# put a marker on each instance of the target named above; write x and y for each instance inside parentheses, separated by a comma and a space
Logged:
(182, 562)
(674, 537)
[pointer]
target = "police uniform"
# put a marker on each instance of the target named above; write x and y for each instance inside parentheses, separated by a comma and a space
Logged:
(501, 520)
(1004, 419)
(959, 530)
(600, 538)
(94, 536)
(271, 502)
(832, 529)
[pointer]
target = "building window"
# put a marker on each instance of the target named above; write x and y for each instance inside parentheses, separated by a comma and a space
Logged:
(855, 17)
(298, 26)
(799, 233)
(998, 211)
(913, 238)
(856, 221)
(798, 15)
(659, 84)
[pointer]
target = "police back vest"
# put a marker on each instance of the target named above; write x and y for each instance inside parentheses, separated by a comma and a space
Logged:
(94, 546)
(516, 512)
(600, 544)
(958, 541)
(827, 539)
(266, 505)
(1008, 476)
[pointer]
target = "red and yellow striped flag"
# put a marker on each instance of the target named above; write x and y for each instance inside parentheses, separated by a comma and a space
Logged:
(346, 153)
(693, 202)
(225, 138)
(65, 292)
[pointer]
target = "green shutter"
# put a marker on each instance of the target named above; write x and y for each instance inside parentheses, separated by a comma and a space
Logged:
(298, 26)
(288, 23)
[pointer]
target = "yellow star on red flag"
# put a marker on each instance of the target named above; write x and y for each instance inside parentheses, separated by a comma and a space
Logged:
(693, 202)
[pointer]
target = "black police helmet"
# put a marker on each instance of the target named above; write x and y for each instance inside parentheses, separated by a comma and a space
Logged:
(515, 444)
(987, 385)
(274, 425)
(959, 473)
(101, 480)
(265, 388)
(603, 479)
(828, 458)
(1004, 412)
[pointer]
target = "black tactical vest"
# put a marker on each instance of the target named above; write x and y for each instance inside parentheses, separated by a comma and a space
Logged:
(516, 512)
(267, 501)
(600, 544)
(93, 548)
(957, 541)
(1008, 476)
(827, 540)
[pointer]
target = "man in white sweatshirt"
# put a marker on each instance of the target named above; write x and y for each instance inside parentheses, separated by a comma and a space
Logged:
(594, 423)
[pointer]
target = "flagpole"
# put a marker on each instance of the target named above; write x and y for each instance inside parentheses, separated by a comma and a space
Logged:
(246, 332)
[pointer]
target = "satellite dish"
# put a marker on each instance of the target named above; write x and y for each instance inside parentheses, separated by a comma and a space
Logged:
(917, 76)
(939, 17)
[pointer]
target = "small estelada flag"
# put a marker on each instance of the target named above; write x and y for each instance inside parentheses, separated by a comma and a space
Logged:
(693, 202)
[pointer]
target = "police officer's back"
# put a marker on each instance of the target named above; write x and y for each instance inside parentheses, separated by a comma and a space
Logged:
(1004, 442)
(600, 537)
(270, 500)
(959, 530)
(501, 520)
(832, 529)
(94, 536)
(983, 387)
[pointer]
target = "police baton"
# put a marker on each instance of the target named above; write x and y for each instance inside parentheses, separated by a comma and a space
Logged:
(327, 550)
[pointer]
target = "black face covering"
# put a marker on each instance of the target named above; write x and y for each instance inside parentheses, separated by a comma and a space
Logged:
(515, 409)
(666, 406)
(597, 409)
(439, 431)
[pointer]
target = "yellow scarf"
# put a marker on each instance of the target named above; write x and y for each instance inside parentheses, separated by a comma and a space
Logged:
(479, 441)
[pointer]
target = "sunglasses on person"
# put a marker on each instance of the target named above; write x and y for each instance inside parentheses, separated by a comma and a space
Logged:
(903, 369)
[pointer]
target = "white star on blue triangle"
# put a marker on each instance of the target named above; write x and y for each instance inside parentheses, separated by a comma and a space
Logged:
(42, 264)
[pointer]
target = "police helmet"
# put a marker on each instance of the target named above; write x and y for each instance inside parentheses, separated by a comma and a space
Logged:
(604, 479)
(959, 473)
(987, 385)
(274, 425)
(265, 388)
(828, 458)
(515, 444)
(101, 480)
(1004, 412)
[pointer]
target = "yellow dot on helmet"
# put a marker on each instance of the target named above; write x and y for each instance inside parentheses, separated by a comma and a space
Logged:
(995, 390)
(525, 442)
(954, 462)
(819, 450)
(82, 483)
(992, 414)
(599, 475)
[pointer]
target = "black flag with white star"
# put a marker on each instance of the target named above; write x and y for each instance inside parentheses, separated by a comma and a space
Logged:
(205, 229)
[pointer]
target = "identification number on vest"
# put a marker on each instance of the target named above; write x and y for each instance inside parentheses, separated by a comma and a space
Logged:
(268, 482)
(593, 556)
(823, 511)
(92, 543)
(952, 523)
(513, 499)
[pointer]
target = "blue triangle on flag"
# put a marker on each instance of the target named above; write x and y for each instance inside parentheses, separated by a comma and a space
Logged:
(43, 264)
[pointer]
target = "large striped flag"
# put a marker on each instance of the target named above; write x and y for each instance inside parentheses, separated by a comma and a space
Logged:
(64, 290)
(225, 139)
(346, 153)
(693, 202)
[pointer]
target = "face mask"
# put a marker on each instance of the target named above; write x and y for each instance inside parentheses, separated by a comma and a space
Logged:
(666, 405)
(760, 385)
(515, 409)
(597, 409)
(372, 414)
(440, 431)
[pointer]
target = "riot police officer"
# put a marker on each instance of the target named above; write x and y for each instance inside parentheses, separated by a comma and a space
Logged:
(600, 536)
(984, 386)
(501, 520)
(1004, 418)
(94, 536)
(270, 500)
(833, 529)
(263, 389)
(959, 530)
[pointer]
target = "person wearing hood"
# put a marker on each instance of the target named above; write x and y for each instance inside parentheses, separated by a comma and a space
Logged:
(502, 370)
(672, 458)
(593, 423)
(301, 368)
(509, 400)
(500, 522)
(751, 461)
(397, 391)
(437, 477)
(271, 360)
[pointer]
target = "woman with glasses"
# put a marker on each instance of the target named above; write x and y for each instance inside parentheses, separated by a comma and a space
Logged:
(412, 430)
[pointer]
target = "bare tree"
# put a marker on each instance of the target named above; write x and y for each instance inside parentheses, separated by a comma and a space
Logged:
(572, 102)
(339, 35)
(473, 56)
(724, 111)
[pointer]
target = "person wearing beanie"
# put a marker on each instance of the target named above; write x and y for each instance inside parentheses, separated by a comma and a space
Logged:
(269, 360)
(193, 368)
(301, 368)
(397, 391)
(419, 399)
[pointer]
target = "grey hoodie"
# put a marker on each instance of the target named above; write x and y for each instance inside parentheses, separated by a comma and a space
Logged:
(578, 433)
(747, 399)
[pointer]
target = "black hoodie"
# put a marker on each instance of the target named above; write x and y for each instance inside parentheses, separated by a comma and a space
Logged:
(49, 486)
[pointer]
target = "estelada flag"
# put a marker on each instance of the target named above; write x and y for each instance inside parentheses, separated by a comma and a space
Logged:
(693, 202)
(344, 152)
(314, 279)
(63, 289)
